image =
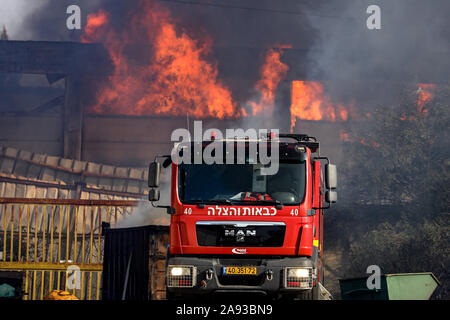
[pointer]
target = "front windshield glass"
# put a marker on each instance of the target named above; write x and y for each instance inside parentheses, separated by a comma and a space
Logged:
(241, 183)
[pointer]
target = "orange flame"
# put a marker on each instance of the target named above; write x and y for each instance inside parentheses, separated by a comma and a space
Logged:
(96, 23)
(272, 72)
(176, 79)
(346, 138)
(308, 102)
(424, 95)
(178, 76)
(344, 135)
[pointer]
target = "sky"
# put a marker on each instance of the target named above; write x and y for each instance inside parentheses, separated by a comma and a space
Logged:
(13, 15)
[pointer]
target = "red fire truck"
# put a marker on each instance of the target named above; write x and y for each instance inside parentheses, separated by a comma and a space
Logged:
(236, 230)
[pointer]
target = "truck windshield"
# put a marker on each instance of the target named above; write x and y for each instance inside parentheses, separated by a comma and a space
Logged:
(241, 184)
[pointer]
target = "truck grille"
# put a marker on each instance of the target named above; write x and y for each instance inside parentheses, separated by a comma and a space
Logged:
(240, 233)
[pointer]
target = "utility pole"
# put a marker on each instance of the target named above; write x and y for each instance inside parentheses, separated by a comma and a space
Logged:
(4, 34)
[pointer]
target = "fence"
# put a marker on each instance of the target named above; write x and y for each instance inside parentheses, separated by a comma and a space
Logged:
(57, 243)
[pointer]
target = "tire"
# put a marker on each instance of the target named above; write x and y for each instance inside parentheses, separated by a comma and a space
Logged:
(312, 294)
(315, 293)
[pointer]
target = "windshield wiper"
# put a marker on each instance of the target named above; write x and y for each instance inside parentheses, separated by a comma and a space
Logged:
(201, 203)
(222, 201)
(278, 203)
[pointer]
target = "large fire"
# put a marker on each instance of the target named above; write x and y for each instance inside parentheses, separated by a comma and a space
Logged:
(308, 102)
(272, 72)
(177, 77)
(94, 27)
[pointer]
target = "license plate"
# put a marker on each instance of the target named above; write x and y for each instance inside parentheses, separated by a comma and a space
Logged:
(239, 270)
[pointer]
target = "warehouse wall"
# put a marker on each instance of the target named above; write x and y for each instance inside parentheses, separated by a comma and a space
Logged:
(41, 134)
(134, 141)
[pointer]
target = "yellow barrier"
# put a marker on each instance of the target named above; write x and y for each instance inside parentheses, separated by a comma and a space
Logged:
(57, 243)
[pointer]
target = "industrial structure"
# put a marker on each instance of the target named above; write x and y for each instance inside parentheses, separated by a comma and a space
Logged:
(64, 171)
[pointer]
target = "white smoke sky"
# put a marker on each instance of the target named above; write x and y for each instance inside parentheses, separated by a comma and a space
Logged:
(145, 214)
(413, 37)
(14, 14)
(43, 20)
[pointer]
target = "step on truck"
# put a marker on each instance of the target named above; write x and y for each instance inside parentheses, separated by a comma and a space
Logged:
(234, 228)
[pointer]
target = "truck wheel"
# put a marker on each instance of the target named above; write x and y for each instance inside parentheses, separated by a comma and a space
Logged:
(307, 295)
(315, 293)
(312, 294)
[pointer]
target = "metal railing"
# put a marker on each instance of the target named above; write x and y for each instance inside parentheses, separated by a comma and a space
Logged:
(57, 243)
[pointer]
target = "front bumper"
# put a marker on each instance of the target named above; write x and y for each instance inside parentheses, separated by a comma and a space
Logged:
(209, 278)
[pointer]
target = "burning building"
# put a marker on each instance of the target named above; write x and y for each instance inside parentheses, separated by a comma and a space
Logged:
(110, 95)
(140, 70)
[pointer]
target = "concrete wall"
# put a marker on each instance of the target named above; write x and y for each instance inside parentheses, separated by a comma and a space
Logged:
(41, 134)
(134, 141)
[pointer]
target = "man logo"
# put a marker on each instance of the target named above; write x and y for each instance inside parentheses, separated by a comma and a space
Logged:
(239, 251)
(240, 234)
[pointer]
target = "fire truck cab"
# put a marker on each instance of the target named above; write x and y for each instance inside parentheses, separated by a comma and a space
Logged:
(234, 229)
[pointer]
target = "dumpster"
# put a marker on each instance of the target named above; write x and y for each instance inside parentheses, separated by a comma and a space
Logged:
(134, 264)
(400, 286)
(11, 285)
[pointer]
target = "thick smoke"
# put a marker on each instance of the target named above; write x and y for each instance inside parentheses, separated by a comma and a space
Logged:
(14, 15)
(145, 214)
(370, 65)
(330, 43)
(370, 68)
(414, 33)
(234, 23)
(241, 31)
(47, 21)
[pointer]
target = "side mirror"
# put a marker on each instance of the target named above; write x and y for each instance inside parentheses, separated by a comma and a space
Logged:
(330, 176)
(153, 195)
(331, 196)
(153, 174)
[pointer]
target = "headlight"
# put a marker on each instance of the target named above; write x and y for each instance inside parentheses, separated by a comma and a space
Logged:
(298, 278)
(298, 273)
(180, 271)
(181, 276)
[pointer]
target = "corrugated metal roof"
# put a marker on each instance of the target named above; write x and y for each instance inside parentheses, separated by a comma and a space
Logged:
(32, 175)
